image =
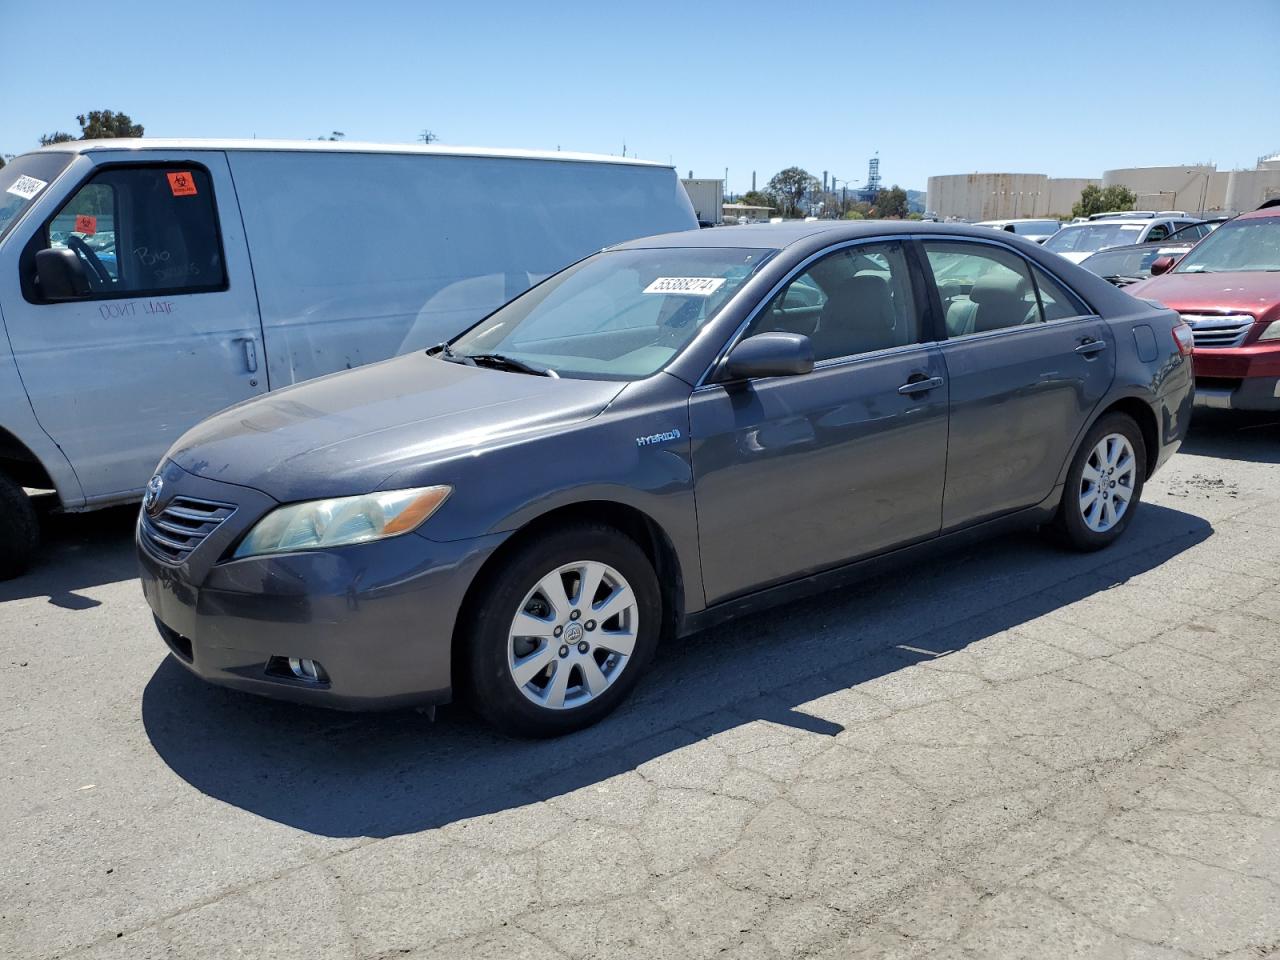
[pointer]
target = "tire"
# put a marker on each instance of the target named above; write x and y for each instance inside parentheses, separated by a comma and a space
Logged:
(19, 529)
(1082, 522)
(498, 656)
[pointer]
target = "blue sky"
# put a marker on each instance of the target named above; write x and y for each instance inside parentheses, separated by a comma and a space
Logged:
(1067, 89)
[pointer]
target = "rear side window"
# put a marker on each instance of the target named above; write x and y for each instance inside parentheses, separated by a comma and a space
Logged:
(982, 287)
(1057, 302)
(143, 230)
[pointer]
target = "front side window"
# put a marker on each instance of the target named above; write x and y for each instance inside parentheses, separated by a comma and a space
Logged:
(982, 287)
(143, 230)
(1244, 245)
(619, 315)
(856, 300)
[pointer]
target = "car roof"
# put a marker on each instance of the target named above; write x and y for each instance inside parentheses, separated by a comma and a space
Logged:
(1259, 214)
(134, 144)
(775, 236)
(1110, 220)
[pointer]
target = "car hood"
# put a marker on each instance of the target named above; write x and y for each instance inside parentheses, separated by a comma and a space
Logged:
(1254, 292)
(352, 431)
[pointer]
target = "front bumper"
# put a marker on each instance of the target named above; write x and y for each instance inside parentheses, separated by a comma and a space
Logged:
(1239, 378)
(379, 617)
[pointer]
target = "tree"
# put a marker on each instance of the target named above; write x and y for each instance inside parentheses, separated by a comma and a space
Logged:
(97, 125)
(891, 204)
(1094, 199)
(754, 198)
(790, 186)
(335, 135)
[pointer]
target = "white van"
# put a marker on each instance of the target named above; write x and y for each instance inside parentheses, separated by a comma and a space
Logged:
(145, 284)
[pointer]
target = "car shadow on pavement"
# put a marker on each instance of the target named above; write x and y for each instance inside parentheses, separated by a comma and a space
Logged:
(78, 551)
(1234, 435)
(380, 775)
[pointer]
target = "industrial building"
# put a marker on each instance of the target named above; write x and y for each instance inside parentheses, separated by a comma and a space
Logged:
(1002, 196)
(1200, 188)
(1195, 188)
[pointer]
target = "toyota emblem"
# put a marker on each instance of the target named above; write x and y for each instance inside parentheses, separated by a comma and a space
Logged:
(149, 499)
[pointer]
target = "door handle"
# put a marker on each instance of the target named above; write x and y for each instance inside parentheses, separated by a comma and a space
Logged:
(250, 346)
(1088, 348)
(923, 385)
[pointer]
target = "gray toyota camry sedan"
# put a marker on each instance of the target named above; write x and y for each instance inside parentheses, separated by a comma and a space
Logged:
(671, 431)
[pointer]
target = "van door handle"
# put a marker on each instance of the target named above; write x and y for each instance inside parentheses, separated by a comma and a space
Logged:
(1088, 348)
(250, 353)
(923, 385)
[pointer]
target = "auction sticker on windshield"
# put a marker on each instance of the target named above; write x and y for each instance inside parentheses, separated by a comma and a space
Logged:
(26, 187)
(689, 286)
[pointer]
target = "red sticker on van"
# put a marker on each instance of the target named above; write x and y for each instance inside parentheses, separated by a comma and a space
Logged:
(86, 224)
(182, 184)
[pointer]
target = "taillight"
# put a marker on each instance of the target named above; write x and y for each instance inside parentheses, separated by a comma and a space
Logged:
(1184, 338)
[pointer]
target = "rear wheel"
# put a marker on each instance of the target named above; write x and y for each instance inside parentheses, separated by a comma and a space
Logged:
(562, 630)
(19, 529)
(1104, 484)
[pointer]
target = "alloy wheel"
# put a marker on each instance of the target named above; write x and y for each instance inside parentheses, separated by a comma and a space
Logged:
(573, 635)
(1107, 481)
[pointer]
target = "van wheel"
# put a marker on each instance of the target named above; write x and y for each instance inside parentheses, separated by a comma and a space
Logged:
(561, 631)
(19, 529)
(1104, 484)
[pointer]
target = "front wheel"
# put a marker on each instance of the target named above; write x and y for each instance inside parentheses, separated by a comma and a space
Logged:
(19, 529)
(1104, 484)
(561, 631)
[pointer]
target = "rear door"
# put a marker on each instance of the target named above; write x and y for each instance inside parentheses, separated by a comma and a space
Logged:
(169, 331)
(1027, 363)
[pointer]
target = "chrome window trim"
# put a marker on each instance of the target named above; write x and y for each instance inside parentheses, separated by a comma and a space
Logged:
(795, 271)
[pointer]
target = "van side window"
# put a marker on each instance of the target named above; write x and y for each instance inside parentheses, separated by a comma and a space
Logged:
(982, 287)
(143, 230)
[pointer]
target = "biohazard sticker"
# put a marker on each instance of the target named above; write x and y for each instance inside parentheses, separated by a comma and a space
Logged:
(686, 286)
(182, 183)
(86, 224)
(26, 187)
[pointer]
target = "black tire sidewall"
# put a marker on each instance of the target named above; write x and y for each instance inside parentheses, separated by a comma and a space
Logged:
(493, 692)
(1070, 522)
(19, 529)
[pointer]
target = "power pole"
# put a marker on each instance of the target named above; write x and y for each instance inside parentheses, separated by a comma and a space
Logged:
(426, 136)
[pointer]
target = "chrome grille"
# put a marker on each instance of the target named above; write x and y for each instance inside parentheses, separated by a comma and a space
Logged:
(182, 526)
(1218, 330)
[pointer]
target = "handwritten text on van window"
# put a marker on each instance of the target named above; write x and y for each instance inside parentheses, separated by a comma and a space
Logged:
(133, 308)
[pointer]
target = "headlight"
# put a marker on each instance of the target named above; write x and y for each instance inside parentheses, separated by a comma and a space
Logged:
(342, 521)
(1272, 332)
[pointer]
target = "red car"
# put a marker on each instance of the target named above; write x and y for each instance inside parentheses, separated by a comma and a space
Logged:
(1227, 287)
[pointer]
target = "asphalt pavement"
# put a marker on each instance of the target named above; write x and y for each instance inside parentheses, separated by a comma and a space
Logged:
(1009, 751)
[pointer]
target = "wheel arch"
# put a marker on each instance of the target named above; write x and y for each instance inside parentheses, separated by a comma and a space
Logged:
(1141, 413)
(20, 463)
(629, 520)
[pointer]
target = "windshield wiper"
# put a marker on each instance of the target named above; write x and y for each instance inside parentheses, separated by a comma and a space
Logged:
(1121, 281)
(502, 362)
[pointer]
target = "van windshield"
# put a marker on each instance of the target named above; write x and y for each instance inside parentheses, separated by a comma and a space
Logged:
(1090, 237)
(618, 315)
(23, 179)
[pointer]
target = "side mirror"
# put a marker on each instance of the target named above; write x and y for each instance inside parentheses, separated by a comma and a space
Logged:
(769, 355)
(1162, 265)
(61, 274)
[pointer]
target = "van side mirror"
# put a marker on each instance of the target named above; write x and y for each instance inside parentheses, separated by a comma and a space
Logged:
(769, 355)
(61, 274)
(1162, 265)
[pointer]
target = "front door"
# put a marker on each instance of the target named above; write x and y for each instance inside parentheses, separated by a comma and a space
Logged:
(796, 474)
(1027, 364)
(169, 330)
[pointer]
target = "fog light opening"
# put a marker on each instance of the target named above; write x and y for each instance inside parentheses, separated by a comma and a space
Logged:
(307, 669)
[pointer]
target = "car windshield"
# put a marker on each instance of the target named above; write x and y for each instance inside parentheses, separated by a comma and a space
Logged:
(1089, 237)
(1036, 228)
(1246, 246)
(619, 315)
(25, 178)
(1128, 263)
